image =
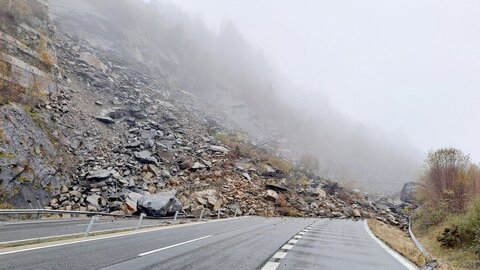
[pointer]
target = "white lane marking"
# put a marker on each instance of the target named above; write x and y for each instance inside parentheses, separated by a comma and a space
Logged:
(107, 222)
(273, 263)
(114, 236)
(172, 246)
(409, 265)
(270, 266)
(279, 255)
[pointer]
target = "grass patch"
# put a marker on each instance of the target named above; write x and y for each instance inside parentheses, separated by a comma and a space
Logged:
(6, 155)
(397, 240)
(448, 258)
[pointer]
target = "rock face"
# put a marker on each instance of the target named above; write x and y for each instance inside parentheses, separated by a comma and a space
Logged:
(29, 162)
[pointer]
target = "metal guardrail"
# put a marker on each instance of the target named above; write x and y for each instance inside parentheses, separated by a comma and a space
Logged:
(431, 262)
(94, 215)
(51, 211)
(72, 212)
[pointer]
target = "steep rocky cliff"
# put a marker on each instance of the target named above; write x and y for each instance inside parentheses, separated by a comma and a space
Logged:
(100, 129)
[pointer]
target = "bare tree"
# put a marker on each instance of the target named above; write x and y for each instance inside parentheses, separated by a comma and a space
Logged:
(445, 178)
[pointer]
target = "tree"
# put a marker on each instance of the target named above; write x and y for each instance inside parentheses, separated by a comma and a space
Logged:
(445, 178)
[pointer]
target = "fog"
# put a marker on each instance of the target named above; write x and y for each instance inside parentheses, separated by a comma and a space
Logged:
(409, 68)
(366, 88)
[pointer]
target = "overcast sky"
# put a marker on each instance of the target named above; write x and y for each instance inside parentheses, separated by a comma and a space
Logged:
(410, 67)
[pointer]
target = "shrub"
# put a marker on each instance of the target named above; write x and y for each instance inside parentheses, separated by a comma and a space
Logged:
(429, 215)
(43, 51)
(445, 178)
(469, 227)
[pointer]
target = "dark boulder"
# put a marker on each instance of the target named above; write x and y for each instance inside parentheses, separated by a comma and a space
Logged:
(159, 205)
(407, 193)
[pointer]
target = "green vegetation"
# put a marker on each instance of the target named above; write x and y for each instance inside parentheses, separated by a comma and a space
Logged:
(448, 218)
(6, 155)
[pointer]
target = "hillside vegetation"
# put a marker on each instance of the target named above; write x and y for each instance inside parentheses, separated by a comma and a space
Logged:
(448, 219)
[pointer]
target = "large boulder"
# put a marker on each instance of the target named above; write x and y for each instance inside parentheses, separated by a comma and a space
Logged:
(159, 205)
(407, 193)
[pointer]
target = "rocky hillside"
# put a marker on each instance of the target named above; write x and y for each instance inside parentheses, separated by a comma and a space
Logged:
(111, 132)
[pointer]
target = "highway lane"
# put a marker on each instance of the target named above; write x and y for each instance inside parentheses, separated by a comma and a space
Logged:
(339, 244)
(123, 252)
(21, 230)
(244, 243)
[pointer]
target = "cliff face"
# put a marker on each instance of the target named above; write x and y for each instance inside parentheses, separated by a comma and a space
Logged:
(29, 159)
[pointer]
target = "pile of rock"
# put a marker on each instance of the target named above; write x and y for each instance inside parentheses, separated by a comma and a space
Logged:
(141, 144)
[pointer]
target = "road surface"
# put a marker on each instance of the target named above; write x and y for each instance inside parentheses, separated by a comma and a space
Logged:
(23, 230)
(243, 243)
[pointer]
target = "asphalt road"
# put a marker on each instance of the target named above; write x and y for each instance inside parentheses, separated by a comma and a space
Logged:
(244, 243)
(338, 244)
(22, 230)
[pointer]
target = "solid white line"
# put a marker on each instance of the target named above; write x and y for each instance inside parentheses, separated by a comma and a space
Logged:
(409, 265)
(287, 246)
(114, 236)
(270, 266)
(172, 246)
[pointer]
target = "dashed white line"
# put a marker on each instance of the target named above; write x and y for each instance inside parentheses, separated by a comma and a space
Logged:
(273, 263)
(280, 255)
(172, 246)
(270, 266)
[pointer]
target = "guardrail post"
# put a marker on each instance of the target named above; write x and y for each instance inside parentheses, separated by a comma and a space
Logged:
(175, 217)
(140, 220)
(218, 214)
(89, 227)
(201, 215)
(236, 211)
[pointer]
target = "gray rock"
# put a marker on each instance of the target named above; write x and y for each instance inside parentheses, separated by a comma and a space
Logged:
(105, 119)
(95, 201)
(159, 205)
(408, 190)
(134, 144)
(197, 166)
(98, 175)
(271, 195)
(247, 176)
(145, 157)
(217, 148)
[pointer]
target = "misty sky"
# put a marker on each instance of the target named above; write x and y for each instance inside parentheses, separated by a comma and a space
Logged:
(410, 68)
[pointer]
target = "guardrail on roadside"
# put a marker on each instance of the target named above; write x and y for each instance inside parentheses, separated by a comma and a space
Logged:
(431, 262)
(94, 215)
(51, 211)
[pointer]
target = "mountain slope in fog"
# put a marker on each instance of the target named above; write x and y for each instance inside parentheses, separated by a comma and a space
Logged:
(225, 71)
